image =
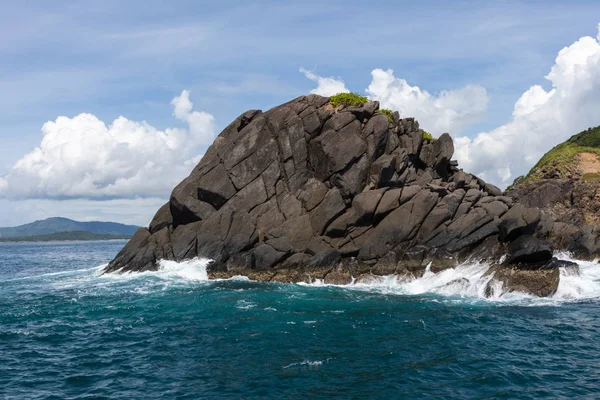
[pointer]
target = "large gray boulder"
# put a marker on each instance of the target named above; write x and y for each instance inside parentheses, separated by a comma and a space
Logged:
(305, 190)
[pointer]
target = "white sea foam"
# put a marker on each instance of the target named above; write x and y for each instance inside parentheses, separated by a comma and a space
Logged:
(468, 281)
(194, 269)
(89, 280)
(189, 270)
(245, 305)
(464, 282)
(307, 363)
(579, 286)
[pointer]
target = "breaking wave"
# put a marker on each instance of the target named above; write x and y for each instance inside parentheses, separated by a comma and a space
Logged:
(582, 286)
(467, 281)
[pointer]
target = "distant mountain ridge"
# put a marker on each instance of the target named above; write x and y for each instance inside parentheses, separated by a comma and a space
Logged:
(64, 236)
(59, 224)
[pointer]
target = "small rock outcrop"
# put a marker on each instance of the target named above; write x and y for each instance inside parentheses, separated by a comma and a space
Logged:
(307, 191)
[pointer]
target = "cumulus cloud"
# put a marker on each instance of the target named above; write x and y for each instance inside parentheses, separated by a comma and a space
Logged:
(325, 86)
(541, 118)
(449, 111)
(82, 157)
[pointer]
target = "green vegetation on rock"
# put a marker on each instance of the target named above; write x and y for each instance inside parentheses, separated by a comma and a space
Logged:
(562, 159)
(428, 136)
(588, 138)
(387, 112)
(347, 99)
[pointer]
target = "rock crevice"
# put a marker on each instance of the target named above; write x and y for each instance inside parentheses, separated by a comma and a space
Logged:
(308, 191)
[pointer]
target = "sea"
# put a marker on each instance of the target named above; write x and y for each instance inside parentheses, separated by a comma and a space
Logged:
(69, 332)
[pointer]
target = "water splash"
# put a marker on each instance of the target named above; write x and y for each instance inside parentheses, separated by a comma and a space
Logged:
(578, 286)
(468, 281)
(188, 270)
(465, 282)
(194, 269)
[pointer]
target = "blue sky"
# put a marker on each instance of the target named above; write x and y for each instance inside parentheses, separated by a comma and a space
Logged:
(131, 59)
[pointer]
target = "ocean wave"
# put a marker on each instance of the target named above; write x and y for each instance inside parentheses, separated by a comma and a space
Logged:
(59, 273)
(468, 281)
(465, 282)
(307, 363)
(584, 285)
(191, 270)
(245, 305)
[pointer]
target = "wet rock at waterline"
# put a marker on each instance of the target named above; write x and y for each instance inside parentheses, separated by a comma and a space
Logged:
(309, 191)
(540, 279)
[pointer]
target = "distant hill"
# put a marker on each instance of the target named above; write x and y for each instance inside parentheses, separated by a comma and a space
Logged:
(73, 235)
(564, 161)
(58, 224)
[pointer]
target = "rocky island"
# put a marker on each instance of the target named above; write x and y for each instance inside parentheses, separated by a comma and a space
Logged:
(338, 189)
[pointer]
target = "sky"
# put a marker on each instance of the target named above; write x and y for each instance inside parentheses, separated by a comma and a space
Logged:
(106, 106)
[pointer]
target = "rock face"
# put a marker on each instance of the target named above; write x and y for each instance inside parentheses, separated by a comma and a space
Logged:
(307, 191)
(565, 185)
(568, 209)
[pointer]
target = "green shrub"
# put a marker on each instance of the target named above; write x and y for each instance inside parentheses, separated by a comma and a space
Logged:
(347, 99)
(587, 138)
(428, 136)
(387, 113)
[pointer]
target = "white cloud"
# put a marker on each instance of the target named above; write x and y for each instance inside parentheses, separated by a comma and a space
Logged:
(325, 86)
(530, 100)
(82, 157)
(450, 111)
(541, 119)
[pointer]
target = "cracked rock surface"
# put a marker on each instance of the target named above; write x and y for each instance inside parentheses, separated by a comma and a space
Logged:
(305, 191)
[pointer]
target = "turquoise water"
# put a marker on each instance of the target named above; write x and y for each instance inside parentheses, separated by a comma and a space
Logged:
(68, 333)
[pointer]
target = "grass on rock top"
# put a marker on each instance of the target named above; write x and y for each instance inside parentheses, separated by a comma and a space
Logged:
(387, 112)
(347, 99)
(428, 136)
(355, 99)
(562, 157)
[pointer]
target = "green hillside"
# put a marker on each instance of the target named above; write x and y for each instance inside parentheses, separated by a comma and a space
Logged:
(562, 157)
